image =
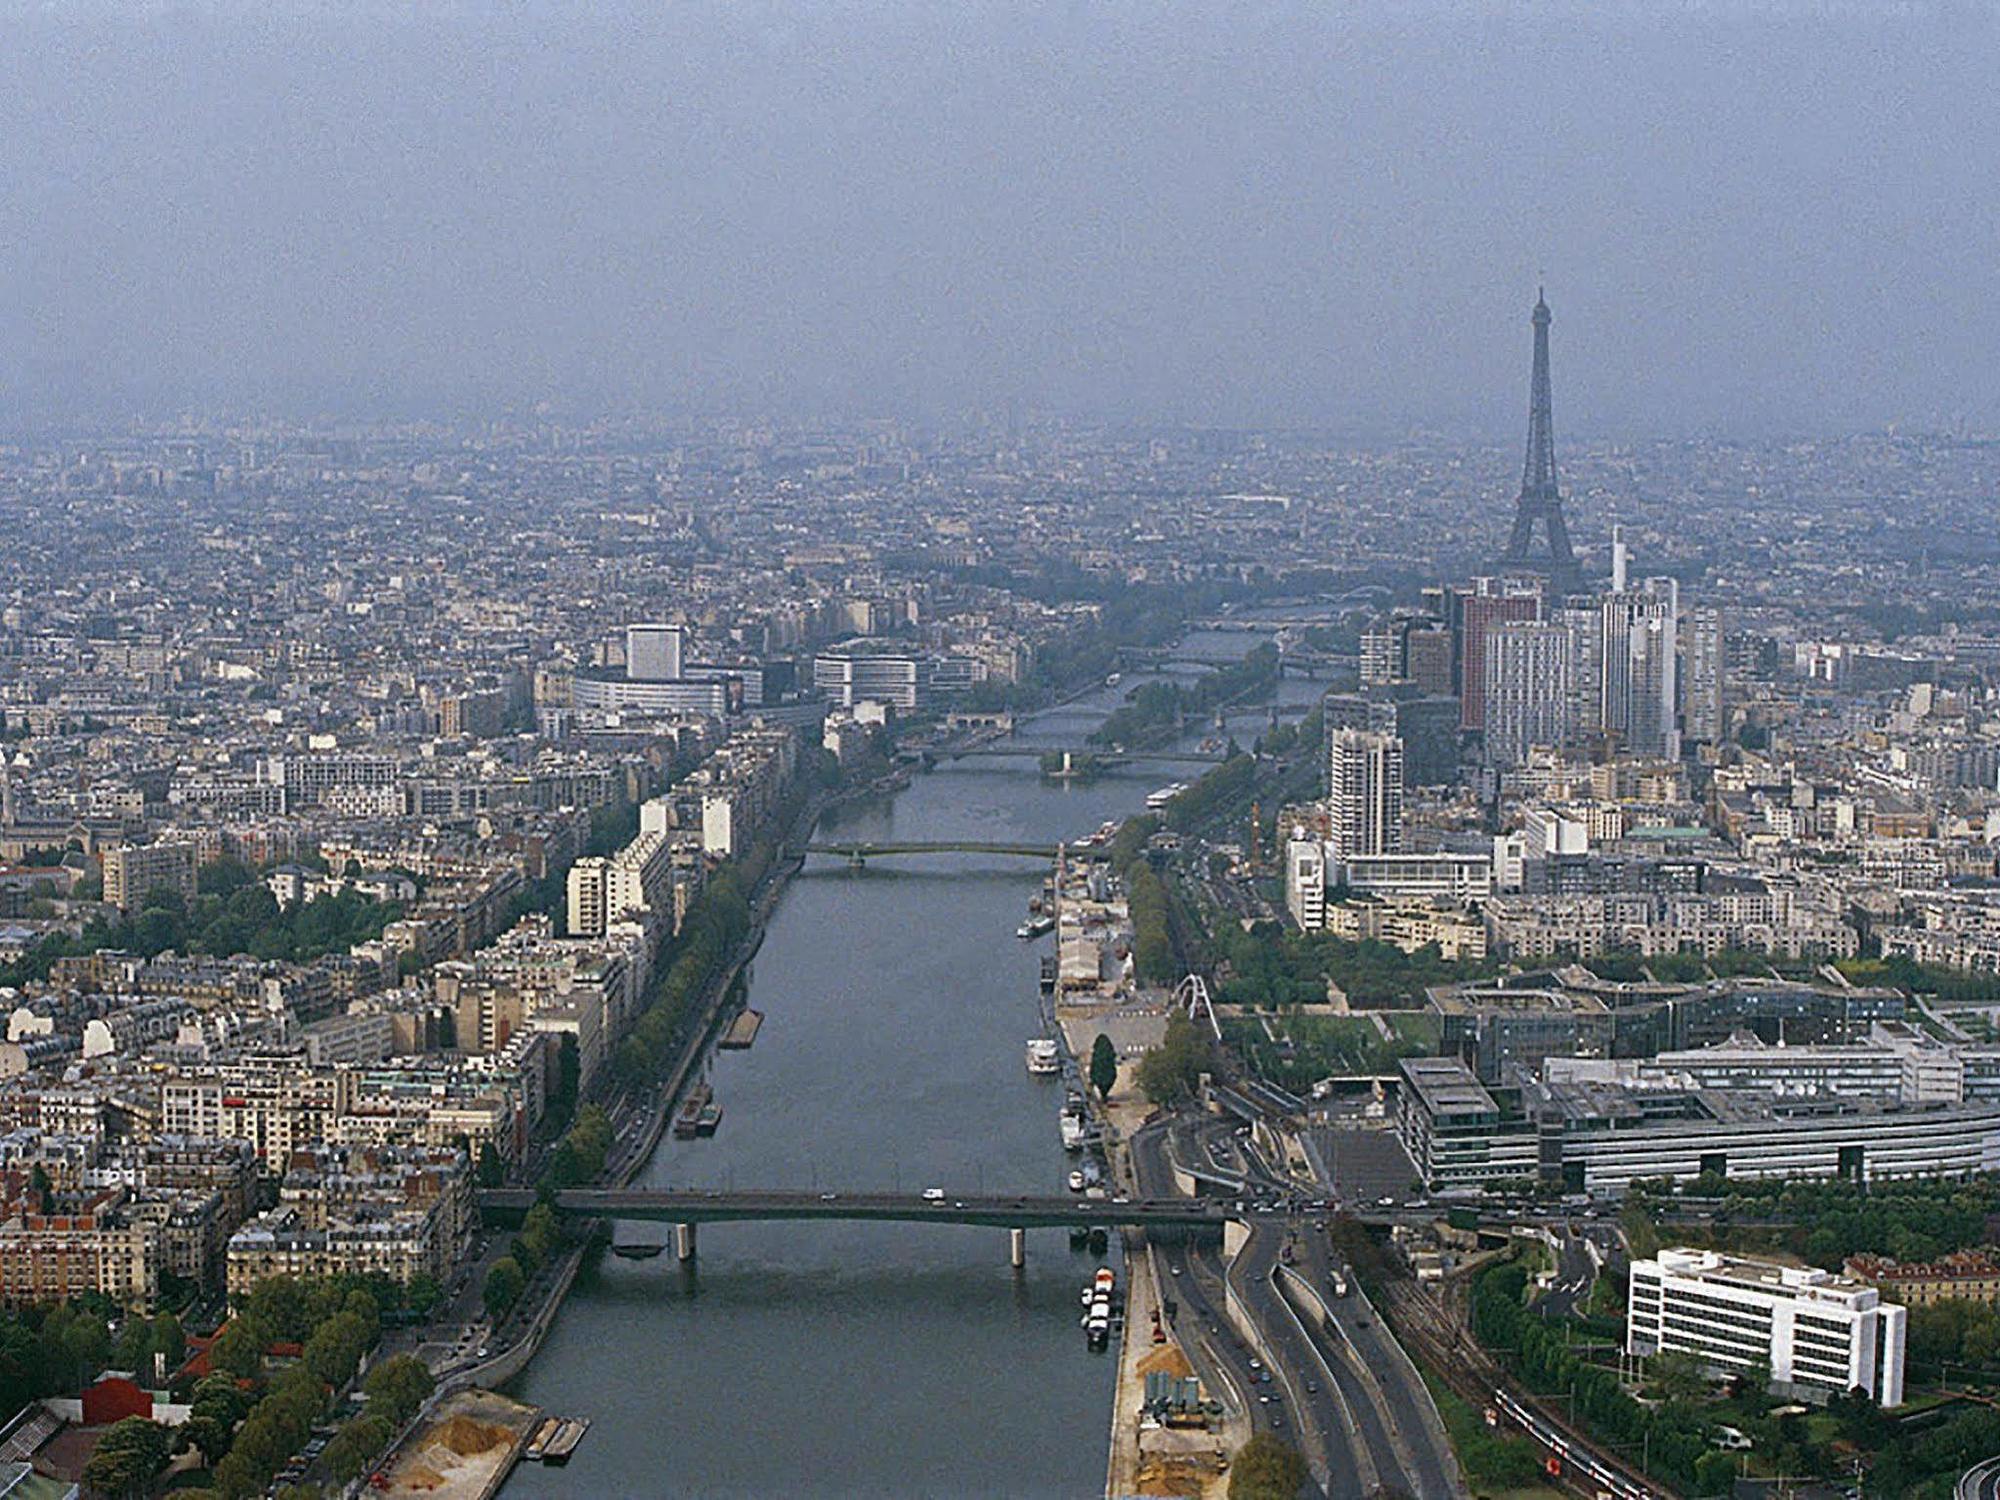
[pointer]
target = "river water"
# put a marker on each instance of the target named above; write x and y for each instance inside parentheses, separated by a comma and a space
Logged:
(868, 1359)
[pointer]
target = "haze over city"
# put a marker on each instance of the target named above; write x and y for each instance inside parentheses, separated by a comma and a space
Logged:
(1753, 219)
(869, 750)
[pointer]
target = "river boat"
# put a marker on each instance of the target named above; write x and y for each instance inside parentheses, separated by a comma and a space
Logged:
(1034, 927)
(687, 1119)
(1043, 1057)
(710, 1117)
(1073, 1133)
(563, 1444)
(538, 1445)
(1155, 800)
(1076, 1183)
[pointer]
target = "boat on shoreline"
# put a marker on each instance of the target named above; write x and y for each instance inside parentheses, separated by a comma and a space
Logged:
(687, 1119)
(1043, 1058)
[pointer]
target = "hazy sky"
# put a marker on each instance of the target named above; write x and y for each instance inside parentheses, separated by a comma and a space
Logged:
(1751, 217)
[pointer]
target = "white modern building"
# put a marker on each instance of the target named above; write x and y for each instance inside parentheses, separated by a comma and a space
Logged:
(1527, 697)
(1819, 1334)
(652, 653)
(1364, 793)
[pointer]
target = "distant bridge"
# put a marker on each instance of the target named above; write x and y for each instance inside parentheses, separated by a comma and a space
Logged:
(1101, 757)
(685, 1208)
(860, 853)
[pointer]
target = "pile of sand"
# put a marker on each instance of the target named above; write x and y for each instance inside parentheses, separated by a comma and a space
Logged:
(466, 1437)
(1171, 1477)
(1165, 1360)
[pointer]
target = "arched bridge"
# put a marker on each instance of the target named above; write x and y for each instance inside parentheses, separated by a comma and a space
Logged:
(861, 853)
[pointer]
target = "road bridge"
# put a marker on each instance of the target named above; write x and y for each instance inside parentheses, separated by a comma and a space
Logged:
(861, 853)
(1100, 757)
(686, 1207)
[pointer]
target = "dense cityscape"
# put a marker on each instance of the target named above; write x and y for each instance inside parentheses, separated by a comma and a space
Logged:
(859, 750)
(1599, 937)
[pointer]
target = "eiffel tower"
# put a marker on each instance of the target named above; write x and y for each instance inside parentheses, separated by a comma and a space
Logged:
(1540, 500)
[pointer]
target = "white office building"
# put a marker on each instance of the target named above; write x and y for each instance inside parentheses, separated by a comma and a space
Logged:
(1819, 1334)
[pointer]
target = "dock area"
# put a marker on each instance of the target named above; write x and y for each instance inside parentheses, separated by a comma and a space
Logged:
(1149, 1457)
(466, 1450)
(742, 1031)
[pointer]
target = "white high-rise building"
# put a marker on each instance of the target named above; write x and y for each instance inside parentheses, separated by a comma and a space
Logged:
(1364, 793)
(1813, 1330)
(1702, 644)
(652, 653)
(1528, 666)
(1639, 667)
(1378, 656)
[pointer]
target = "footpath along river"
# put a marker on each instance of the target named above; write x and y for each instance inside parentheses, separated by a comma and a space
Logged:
(865, 1359)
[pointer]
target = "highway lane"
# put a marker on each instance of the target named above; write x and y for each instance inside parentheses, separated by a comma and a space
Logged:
(1194, 1276)
(1379, 1410)
(1981, 1481)
(1325, 1426)
(1423, 1449)
(1575, 1273)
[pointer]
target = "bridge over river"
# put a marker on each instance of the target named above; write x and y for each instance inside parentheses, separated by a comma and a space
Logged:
(1019, 1213)
(862, 852)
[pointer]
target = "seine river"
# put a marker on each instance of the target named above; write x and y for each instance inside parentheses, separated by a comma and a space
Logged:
(860, 1359)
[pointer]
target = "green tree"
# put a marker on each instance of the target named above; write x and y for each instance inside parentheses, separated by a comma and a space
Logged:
(492, 1170)
(1103, 1066)
(422, 1294)
(1266, 1469)
(357, 1443)
(397, 1387)
(239, 1349)
(1172, 1071)
(128, 1457)
(170, 1340)
(1678, 1376)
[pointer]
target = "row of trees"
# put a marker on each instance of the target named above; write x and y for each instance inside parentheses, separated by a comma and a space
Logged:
(1220, 794)
(1673, 1433)
(717, 922)
(1826, 1221)
(1152, 924)
(60, 1347)
(1273, 968)
(533, 1248)
(1956, 1332)
(245, 1438)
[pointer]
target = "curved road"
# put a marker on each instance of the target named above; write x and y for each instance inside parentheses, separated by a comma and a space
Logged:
(1313, 1419)
(1981, 1482)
